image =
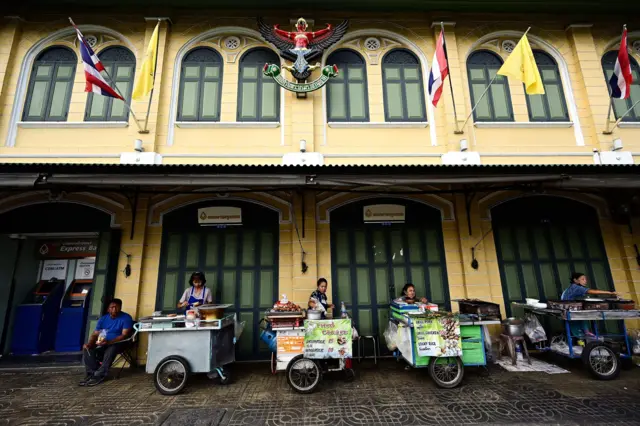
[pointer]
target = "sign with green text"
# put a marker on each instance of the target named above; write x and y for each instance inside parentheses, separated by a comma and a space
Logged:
(327, 339)
(273, 71)
(438, 336)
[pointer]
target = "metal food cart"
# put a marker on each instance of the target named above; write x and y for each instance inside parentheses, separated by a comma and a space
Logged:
(176, 350)
(446, 372)
(601, 352)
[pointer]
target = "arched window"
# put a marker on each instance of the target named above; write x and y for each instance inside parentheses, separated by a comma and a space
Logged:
(552, 105)
(496, 103)
(347, 93)
(50, 86)
(258, 95)
(200, 86)
(403, 90)
(120, 64)
(620, 106)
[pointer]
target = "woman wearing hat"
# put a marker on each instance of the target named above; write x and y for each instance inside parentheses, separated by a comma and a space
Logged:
(198, 294)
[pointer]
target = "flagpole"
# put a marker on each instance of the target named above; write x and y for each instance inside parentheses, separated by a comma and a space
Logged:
(453, 99)
(135, 119)
(624, 115)
(486, 90)
(606, 130)
(155, 69)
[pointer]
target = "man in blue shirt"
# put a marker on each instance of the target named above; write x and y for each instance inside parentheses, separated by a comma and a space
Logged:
(105, 343)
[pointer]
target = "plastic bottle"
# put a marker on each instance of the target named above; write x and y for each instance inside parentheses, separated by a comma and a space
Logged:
(343, 311)
(518, 352)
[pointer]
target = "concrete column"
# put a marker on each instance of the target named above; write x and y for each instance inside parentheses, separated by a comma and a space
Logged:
(304, 283)
(9, 38)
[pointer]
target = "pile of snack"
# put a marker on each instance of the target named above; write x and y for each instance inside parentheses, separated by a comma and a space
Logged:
(286, 307)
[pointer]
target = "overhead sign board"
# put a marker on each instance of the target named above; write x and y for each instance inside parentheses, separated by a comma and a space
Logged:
(209, 216)
(66, 249)
(378, 213)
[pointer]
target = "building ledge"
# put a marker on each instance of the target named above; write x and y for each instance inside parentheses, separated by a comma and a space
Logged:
(227, 124)
(523, 124)
(629, 124)
(381, 125)
(73, 124)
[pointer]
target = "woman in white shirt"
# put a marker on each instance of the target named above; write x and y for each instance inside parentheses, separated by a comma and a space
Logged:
(198, 294)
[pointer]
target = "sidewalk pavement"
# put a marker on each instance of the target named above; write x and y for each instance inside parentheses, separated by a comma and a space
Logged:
(382, 395)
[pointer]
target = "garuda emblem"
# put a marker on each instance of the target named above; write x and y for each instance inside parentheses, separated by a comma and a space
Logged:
(301, 46)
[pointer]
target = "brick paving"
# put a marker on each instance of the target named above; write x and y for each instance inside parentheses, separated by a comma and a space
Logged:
(382, 395)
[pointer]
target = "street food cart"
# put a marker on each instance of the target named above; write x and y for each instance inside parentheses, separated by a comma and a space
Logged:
(306, 349)
(601, 352)
(179, 347)
(443, 342)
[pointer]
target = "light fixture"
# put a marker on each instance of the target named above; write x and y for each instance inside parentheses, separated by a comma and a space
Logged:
(137, 145)
(464, 145)
(303, 145)
(617, 144)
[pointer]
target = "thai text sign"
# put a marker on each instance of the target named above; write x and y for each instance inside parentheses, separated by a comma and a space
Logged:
(328, 339)
(438, 336)
(220, 216)
(377, 213)
(64, 249)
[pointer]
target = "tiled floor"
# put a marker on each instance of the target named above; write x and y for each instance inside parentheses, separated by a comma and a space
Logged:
(383, 395)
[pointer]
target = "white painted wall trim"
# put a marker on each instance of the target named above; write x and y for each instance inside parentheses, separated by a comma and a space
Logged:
(562, 66)
(629, 125)
(386, 155)
(408, 44)
(382, 125)
(183, 155)
(536, 154)
(48, 155)
(27, 64)
(177, 67)
(226, 125)
(73, 124)
(523, 124)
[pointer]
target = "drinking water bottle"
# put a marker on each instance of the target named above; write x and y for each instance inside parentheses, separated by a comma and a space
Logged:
(343, 310)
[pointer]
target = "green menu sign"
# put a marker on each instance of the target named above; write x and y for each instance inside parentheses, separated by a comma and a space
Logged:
(328, 339)
(438, 336)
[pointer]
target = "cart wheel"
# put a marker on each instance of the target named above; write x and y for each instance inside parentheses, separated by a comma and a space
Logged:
(303, 374)
(226, 379)
(171, 375)
(446, 372)
(601, 360)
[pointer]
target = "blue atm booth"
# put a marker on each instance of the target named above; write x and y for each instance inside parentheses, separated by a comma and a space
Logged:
(34, 326)
(73, 317)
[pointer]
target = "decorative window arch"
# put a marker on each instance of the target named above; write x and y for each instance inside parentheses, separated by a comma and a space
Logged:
(403, 87)
(50, 85)
(200, 86)
(482, 66)
(347, 97)
(258, 95)
(551, 106)
(120, 64)
(620, 106)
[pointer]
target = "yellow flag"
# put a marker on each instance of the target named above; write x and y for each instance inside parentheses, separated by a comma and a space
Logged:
(144, 82)
(521, 65)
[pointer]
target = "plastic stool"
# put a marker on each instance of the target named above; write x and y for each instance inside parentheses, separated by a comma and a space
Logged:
(376, 348)
(511, 345)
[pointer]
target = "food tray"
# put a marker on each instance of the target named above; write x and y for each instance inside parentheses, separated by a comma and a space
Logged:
(298, 314)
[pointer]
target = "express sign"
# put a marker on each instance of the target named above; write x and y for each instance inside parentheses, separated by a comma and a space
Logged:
(63, 249)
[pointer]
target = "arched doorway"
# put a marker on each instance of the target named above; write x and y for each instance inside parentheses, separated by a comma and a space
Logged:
(371, 261)
(541, 240)
(240, 263)
(24, 229)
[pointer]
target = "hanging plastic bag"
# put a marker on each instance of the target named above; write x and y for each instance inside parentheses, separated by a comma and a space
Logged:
(390, 336)
(533, 329)
(634, 336)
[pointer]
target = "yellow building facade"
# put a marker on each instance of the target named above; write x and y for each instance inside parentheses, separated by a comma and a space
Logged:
(312, 226)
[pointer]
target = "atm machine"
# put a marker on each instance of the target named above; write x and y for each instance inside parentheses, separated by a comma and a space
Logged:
(73, 317)
(35, 321)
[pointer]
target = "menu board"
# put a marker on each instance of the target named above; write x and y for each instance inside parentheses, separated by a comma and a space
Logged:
(438, 336)
(290, 344)
(328, 339)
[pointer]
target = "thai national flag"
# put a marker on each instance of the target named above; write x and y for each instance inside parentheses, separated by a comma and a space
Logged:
(439, 71)
(621, 79)
(92, 69)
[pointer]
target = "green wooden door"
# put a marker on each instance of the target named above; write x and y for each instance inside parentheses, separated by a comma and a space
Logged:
(240, 265)
(540, 241)
(372, 262)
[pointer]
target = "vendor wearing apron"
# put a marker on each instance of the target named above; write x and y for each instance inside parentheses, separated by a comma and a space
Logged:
(320, 296)
(197, 295)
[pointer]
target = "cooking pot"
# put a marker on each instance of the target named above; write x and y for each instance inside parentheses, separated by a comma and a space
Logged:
(513, 327)
(314, 315)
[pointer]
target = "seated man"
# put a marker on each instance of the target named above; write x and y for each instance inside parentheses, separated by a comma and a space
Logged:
(118, 326)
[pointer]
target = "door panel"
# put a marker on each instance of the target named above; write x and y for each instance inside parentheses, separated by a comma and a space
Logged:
(241, 270)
